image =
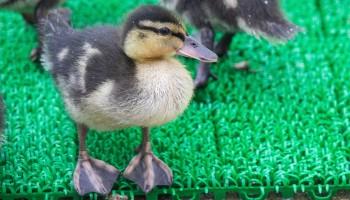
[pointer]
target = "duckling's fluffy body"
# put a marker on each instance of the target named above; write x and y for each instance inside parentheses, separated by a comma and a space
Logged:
(104, 89)
(261, 18)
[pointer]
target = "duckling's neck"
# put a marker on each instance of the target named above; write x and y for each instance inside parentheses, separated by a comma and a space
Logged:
(166, 85)
(163, 67)
(159, 59)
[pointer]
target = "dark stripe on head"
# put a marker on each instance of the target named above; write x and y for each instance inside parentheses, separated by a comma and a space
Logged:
(151, 13)
(155, 30)
(179, 35)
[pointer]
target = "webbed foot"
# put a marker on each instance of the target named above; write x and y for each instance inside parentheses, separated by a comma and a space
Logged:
(145, 169)
(92, 175)
(148, 171)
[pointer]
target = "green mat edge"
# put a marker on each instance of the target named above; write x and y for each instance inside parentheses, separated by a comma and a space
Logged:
(317, 192)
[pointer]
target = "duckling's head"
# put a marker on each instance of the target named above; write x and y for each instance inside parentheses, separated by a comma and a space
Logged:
(152, 32)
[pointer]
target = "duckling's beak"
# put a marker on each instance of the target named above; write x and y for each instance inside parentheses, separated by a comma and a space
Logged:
(195, 49)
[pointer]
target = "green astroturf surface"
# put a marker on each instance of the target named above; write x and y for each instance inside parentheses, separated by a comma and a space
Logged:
(288, 124)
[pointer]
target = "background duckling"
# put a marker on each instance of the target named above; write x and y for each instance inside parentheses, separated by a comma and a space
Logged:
(260, 18)
(113, 78)
(32, 11)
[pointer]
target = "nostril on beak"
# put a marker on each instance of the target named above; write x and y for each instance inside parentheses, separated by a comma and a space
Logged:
(194, 45)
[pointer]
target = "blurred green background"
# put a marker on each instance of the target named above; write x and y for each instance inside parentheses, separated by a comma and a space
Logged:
(286, 126)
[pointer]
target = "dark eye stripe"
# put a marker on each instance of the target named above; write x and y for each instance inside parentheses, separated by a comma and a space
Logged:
(178, 35)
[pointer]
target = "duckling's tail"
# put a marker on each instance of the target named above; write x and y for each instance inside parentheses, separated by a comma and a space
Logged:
(57, 21)
(264, 18)
(55, 25)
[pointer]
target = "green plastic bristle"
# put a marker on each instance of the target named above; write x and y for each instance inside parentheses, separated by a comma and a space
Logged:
(284, 129)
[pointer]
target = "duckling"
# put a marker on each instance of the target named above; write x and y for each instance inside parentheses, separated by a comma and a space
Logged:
(117, 77)
(260, 18)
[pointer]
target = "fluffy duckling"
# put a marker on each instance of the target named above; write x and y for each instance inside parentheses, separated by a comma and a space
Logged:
(260, 18)
(112, 78)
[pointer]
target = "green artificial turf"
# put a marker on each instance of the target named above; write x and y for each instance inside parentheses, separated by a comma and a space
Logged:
(282, 129)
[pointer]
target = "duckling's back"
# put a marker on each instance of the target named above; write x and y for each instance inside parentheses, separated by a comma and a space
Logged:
(84, 61)
(256, 17)
(92, 55)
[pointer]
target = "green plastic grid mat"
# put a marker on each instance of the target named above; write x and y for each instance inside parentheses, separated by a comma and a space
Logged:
(284, 129)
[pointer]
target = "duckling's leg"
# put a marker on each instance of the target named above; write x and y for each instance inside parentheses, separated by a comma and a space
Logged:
(92, 175)
(221, 48)
(203, 71)
(146, 169)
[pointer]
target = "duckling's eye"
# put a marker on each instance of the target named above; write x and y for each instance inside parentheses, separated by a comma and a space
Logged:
(164, 31)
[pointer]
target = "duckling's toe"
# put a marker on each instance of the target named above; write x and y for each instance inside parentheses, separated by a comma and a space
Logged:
(92, 175)
(148, 171)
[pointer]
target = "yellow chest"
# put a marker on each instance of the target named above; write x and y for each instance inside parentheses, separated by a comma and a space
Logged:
(167, 87)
